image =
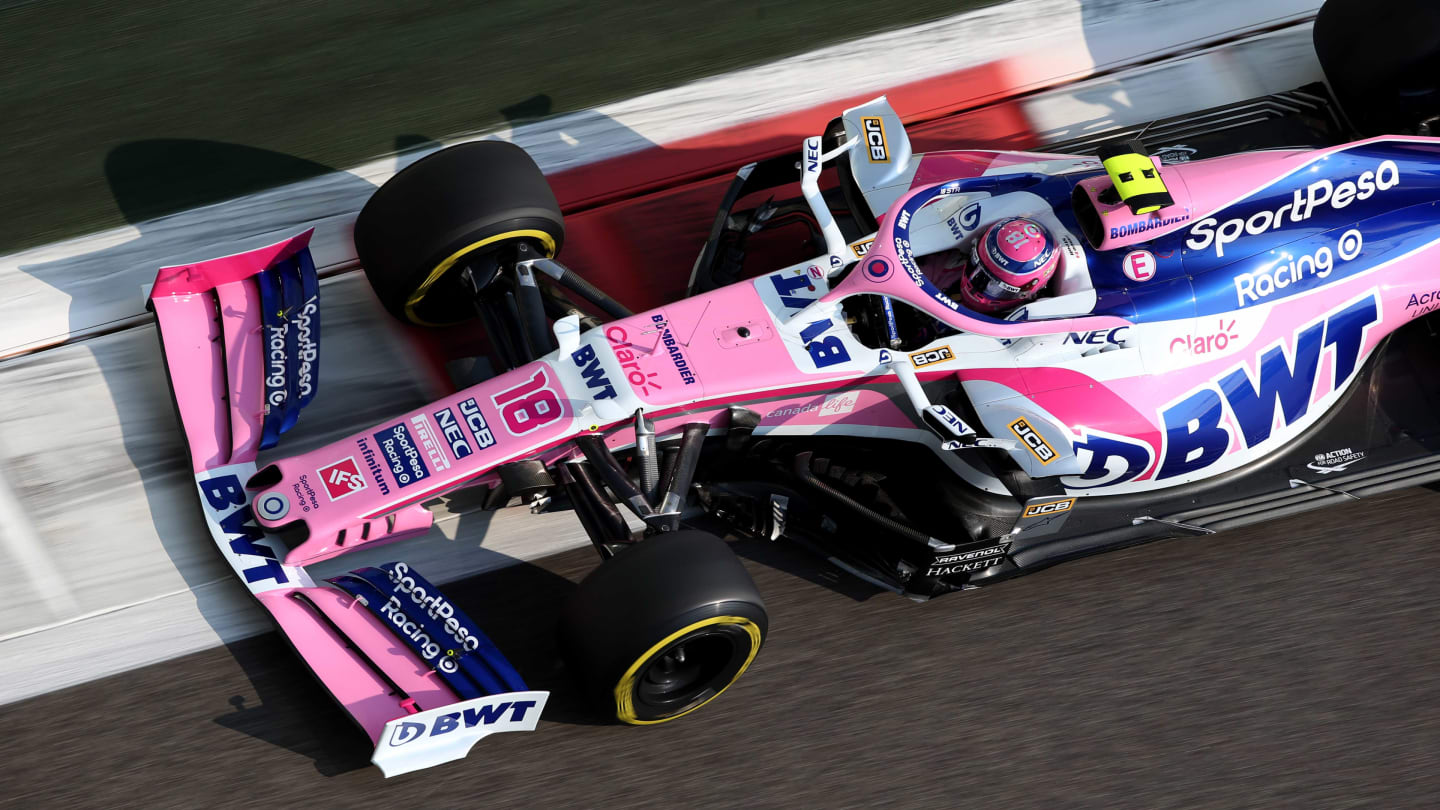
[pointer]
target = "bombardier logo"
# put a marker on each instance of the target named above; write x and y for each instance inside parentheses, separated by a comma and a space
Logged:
(874, 130)
(1210, 231)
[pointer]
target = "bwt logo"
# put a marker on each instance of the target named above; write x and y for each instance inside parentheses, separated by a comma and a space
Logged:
(225, 498)
(874, 131)
(586, 360)
(1242, 406)
(408, 732)
(965, 221)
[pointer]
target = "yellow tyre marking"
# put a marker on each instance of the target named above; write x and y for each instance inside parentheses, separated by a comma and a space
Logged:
(440, 269)
(625, 707)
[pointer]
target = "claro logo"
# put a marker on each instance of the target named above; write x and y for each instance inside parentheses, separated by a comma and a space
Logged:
(1219, 339)
(1211, 232)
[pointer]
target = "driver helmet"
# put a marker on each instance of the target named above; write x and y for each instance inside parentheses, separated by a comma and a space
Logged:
(1010, 262)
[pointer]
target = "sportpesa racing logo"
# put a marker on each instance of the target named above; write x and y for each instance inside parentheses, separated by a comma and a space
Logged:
(1210, 231)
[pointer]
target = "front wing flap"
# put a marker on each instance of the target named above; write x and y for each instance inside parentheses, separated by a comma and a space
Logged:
(241, 340)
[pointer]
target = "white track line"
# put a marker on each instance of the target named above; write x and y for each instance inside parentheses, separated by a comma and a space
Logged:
(92, 428)
(83, 286)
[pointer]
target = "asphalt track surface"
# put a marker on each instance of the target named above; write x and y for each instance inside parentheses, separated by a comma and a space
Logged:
(1293, 664)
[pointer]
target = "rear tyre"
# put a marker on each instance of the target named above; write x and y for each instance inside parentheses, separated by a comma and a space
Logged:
(663, 628)
(1382, 59)
(456, 207)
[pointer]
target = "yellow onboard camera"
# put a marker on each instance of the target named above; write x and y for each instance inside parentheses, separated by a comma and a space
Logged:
(1136, 177)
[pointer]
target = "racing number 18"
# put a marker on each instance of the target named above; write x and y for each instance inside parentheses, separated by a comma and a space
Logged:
(528, 406)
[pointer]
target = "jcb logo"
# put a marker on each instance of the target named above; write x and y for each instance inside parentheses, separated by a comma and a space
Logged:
(1036, 443)
(937, 355)
(1051, 508)
(875, 139)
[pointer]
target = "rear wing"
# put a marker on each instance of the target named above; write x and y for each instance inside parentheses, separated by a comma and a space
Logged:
(880, 161)
(241, 341)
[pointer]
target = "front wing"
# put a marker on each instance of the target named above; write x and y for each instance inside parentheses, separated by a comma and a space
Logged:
(240, 335)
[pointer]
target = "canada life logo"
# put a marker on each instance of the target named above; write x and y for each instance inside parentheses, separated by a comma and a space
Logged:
(342, 478)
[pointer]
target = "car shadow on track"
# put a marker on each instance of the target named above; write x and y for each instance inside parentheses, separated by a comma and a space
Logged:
(517, 607)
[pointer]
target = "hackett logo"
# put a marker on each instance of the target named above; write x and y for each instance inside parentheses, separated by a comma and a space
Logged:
(342, 478)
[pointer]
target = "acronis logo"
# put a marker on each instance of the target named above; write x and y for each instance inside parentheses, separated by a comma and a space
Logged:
(408, 732)
(1280, 387)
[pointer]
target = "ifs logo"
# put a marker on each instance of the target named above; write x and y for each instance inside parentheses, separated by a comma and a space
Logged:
(342, 478)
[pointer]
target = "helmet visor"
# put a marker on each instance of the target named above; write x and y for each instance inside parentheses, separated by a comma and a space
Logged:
(985, 285)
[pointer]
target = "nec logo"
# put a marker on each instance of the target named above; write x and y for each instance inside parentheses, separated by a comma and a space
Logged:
(1036, 443)
(444, 724)
(874, 132)
(1100, 337)
(342, 478)
(454, 435)
(938, 355)
(594, 373)
(1051, 508)
(475, 420)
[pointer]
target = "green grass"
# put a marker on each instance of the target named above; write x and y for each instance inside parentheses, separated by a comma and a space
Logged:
(118, 112)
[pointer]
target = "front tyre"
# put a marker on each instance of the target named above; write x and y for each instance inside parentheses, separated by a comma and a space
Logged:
(461, 206)
(663, 628)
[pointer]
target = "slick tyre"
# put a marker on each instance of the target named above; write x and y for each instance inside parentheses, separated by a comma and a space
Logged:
(663, 628)
(452, 208)
(1382, 60)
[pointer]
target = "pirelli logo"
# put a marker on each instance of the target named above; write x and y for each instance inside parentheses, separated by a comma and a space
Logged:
(862, 247)
(1036, 443)
(936, 355)
(874, 130)
(1051, 508)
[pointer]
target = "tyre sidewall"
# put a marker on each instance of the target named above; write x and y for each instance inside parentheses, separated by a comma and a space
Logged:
(623, 613)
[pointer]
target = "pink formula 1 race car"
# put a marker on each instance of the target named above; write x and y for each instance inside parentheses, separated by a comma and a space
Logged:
(1208, 341)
